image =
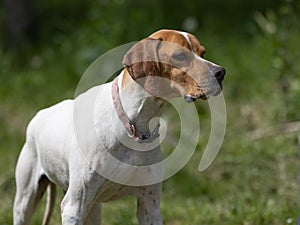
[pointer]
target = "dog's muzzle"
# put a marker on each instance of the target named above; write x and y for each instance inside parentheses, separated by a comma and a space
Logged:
(219, 74)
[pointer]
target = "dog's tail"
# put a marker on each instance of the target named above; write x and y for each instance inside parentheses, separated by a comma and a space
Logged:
(51, 193)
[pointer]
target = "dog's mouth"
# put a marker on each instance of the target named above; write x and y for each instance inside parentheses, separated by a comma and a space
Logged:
(204, 96)
(205, 91)
(190, 99)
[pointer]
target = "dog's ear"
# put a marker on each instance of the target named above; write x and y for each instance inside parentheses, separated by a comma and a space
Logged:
(142, 63)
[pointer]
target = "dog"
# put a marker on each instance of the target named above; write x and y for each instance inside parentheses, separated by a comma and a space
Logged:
(165, 65)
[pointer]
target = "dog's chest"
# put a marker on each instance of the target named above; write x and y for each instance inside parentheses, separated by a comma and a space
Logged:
(137, 156)
(110, 191)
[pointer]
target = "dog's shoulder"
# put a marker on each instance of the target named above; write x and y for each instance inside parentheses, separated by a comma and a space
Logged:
(63, 109)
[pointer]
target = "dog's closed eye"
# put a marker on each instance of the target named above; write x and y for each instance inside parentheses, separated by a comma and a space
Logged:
(180, 56)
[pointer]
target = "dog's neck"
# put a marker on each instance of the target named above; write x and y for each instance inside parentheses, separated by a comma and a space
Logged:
(139, 105)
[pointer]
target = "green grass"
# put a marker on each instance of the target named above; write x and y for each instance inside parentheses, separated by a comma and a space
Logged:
(251, 182)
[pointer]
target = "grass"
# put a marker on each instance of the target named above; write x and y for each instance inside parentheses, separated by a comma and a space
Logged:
(247, 184)
(250, 182)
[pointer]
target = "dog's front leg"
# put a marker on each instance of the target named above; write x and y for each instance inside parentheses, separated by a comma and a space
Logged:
(148, 205)
(79, 201)
(74, 208)
(78, 208)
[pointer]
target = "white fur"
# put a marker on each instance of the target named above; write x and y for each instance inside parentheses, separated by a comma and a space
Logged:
(185, 35)
(73, 144)
(59, 149)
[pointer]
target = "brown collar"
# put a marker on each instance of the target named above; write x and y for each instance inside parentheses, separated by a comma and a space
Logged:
(128, 124)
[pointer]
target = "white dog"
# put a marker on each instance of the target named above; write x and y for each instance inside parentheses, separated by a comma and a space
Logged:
(68, 148)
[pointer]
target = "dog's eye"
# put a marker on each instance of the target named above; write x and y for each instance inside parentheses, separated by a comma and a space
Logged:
(179, 56)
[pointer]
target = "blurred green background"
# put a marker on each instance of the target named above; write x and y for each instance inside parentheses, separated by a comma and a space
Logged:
(45, 47)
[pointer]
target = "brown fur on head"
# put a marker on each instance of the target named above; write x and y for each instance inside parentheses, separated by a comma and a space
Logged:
(177, 57)
(142, 63)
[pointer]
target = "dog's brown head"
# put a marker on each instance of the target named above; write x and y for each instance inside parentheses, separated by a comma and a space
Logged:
(178, 57)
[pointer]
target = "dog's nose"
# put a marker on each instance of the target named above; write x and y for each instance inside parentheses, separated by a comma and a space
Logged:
(219, 73)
